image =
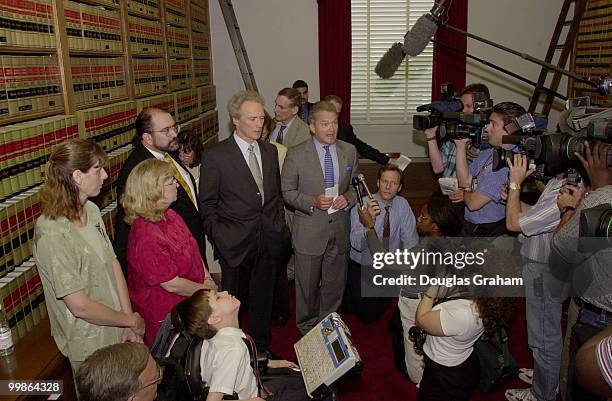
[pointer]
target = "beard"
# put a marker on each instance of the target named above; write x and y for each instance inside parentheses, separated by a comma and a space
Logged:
(172, 146)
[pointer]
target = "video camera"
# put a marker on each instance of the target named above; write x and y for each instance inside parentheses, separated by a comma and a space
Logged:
(551, 153)
(595, 222)
(452, 123)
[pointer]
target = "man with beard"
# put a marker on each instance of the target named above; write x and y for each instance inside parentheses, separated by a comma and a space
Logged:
(156, 136)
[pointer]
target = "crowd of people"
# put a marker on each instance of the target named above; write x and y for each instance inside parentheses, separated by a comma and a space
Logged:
(211, 234)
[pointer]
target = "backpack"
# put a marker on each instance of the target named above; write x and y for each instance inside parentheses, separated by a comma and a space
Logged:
(179, 357)
(496, 361)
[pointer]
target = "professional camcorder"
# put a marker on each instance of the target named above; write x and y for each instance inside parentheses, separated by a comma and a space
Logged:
(595, 229)
(452, 123)
(551, 153)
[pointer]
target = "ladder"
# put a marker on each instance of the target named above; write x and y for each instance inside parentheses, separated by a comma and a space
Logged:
(227, 9)
(566, 49)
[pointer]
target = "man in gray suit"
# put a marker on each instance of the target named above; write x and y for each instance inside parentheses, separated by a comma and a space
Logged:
(316, 177)
(290, 130)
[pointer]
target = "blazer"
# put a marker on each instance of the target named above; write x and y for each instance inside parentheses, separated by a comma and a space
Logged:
(302, 179)
(234, 219)
(183, 206)
(297, 133)
(346, 133)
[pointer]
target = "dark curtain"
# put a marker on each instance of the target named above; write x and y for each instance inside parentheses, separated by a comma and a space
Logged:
(449, 65)
(335, 51)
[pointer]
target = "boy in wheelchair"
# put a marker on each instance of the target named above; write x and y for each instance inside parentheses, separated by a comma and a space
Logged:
(229, 363)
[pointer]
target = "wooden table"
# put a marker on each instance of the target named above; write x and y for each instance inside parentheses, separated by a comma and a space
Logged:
(36, 357)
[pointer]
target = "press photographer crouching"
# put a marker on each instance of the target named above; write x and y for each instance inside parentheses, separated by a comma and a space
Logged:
(484, 208)
(452, 368)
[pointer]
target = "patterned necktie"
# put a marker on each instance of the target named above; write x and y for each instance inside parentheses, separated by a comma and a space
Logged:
(386, 228)
(281, 134)
(263, 390)
(254, 167)
(179, 177)
(329, 168)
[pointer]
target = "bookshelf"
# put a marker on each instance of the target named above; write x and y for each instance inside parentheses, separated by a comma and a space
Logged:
(85, 68)
(592, 56)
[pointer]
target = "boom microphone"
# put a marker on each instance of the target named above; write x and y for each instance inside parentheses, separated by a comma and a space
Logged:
(390, 61)
(415, 42)
(419, 36)
(361, 179)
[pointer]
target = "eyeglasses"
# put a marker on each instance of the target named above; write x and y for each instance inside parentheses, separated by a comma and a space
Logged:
(160, 373)
(173, 182)
(166, 131)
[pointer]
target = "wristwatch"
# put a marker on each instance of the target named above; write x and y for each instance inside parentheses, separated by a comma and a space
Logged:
(513, 186)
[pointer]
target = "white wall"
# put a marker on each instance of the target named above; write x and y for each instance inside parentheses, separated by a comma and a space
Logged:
(281, 39)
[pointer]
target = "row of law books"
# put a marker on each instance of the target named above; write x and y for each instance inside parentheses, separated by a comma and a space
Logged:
(108, 192)
(111, 126)
(148, 8)
(175, 12)
(180, 74)
(18, 216)
(97, 80)
(29, 84)
(201, 72)
(25, 148)
(205, 125)
(27, 23)
(178, 41)
(199, 18)
(91, 28)
(201, 44)
(146, 37)
(208, 97)
(149, 75)
(23, 299)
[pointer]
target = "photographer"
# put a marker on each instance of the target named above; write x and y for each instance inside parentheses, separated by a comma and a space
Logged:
(593, 309)
(484, 209)
(443, 160)
(452, 370)
(544, 292)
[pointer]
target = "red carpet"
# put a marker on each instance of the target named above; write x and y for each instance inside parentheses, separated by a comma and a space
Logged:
(380, 380)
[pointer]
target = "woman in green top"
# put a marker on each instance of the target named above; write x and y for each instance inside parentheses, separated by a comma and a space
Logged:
(85, 290)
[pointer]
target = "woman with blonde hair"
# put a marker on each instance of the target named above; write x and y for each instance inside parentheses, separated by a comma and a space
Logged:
(163, 257)
(85, 290)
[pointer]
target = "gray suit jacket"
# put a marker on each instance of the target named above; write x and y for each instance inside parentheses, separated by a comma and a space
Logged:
(297, 133)
(301, 180)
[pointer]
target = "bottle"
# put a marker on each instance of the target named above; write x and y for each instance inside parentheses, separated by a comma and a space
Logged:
(6, 339)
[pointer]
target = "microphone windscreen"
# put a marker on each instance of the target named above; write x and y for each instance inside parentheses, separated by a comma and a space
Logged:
(417, 38)
(390, 61)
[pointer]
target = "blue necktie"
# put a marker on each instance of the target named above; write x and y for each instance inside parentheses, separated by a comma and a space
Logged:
(329, 168)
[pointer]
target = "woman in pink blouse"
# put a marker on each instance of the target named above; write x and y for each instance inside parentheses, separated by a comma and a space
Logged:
(164, 262)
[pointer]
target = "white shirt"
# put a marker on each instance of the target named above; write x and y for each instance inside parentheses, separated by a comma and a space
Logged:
(225, 364)
(244, 148)
(184, 173)
(462, 326)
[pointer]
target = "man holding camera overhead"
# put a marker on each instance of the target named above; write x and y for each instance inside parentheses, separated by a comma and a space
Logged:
(485, 210)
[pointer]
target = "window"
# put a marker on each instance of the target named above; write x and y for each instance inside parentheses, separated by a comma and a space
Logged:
(376, 25)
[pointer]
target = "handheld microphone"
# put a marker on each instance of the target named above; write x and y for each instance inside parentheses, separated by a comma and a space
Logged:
(357, 187)
(361, 179)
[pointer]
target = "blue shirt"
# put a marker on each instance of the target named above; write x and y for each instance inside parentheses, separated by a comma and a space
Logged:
(403, 234)
(334, 156)
(489, 183)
